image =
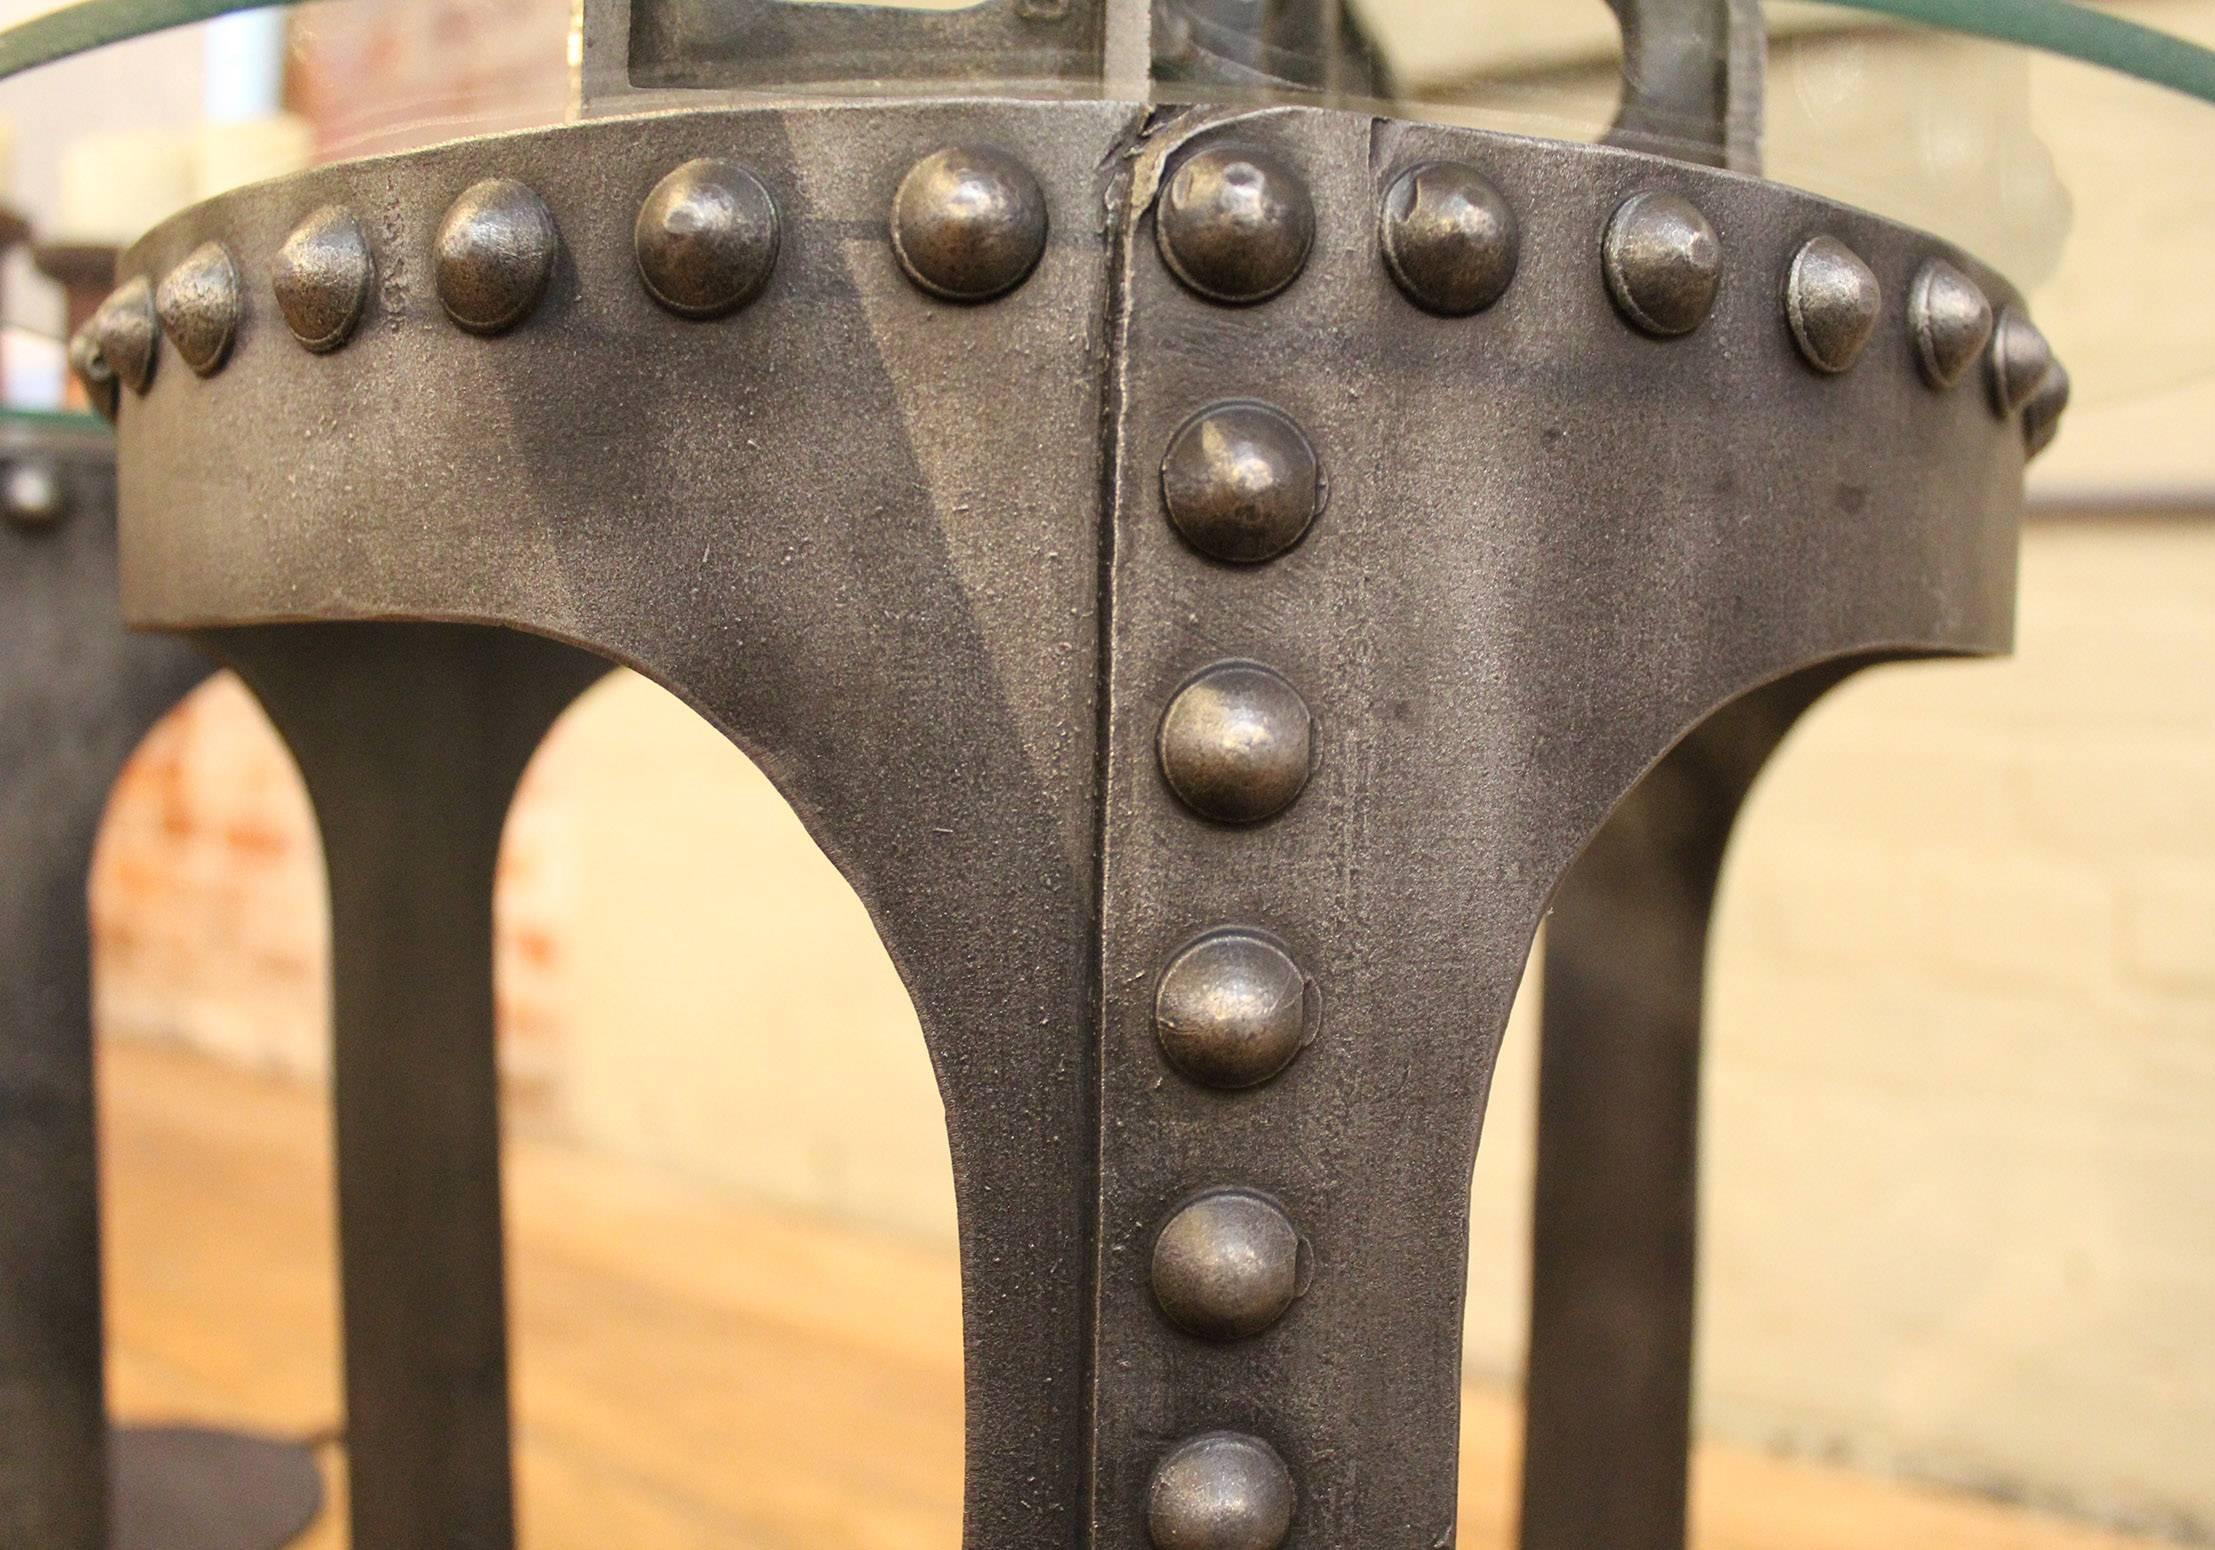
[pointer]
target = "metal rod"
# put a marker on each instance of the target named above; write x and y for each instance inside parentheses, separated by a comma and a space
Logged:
(1692, 80)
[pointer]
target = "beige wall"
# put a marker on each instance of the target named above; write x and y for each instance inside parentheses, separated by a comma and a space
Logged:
(1963, 1200)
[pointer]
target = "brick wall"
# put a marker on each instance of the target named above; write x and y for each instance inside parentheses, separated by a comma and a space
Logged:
(1963, 1204)
(385, 75)
(209, 920)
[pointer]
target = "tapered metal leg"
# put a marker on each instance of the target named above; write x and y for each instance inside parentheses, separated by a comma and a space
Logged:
(53, 1421)
(1608, 1428)
(411, 738)
(76, 695)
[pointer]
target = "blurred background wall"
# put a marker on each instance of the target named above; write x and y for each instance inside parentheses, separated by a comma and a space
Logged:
(1961, 1188)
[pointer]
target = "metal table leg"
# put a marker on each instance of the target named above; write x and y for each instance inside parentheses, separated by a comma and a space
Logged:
(76, 695)
(411, 738)
(1609, 1395)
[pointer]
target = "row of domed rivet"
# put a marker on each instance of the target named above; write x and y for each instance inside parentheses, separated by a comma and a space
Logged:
(1242, 484)
(1233, 1009)
(970, 223)
(1236, 225)
(1664, 269)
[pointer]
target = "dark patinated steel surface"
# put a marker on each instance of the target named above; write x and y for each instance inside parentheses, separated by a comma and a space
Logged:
(1553, 545)
(410, 738)
(1615, 1220)
(76, 695)
(912, 554)
(667, 48)
(794, 519)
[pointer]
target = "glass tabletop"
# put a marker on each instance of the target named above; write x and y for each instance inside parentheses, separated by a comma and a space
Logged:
(1281, 41)
(2061, 143)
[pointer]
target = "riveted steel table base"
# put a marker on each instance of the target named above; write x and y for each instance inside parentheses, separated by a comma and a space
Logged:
(1609, 1394)
(1212, 882)
(411, 738)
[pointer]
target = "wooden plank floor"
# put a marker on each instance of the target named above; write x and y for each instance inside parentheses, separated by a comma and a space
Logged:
(694, 1373)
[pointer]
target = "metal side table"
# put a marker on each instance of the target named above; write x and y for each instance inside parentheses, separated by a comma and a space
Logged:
(1213, 574)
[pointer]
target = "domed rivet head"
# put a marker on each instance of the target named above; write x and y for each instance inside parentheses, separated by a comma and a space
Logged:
(969, 223)
(1228, 1265)
(1832, 301)
(198, 302)
(1233, 1010)
(1951, 320)
(1241, 483)
(93, 371)
(128, 337)
(706, 239)
(1664, 263)
(1448, 237)
(2019, 358)
(1221, 1491)
(33, 495)
(323, 278)
(493, 255)
(2042, 413)
(1235, 224)
(1237, 743)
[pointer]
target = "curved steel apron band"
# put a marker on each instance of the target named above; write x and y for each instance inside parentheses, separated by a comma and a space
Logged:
(1567, 448)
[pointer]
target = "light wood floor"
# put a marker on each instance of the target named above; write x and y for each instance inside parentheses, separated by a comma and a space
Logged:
(694, 1373)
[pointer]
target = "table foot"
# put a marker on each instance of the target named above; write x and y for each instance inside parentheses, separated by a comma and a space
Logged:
(198, 1488)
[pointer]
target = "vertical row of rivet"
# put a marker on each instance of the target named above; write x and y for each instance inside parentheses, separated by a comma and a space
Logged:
(1242, 484)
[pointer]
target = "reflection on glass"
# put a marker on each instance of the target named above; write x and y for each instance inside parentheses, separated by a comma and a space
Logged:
(2054, 171)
